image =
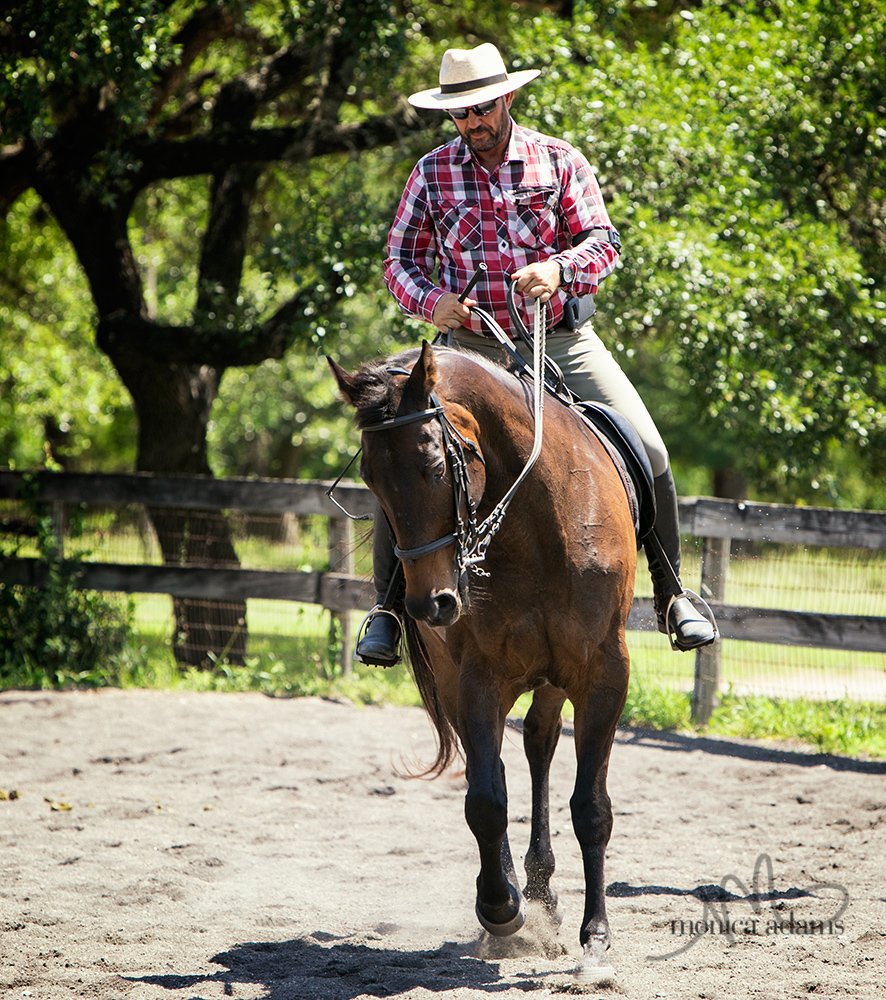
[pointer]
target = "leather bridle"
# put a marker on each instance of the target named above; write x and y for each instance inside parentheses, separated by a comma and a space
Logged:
(466, 533)
(471, 539)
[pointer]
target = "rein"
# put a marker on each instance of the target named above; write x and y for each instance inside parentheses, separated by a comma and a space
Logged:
(486, 531)
(471, 540)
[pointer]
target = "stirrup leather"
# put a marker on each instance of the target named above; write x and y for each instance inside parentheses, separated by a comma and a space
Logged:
(379, 610)
(707, 613)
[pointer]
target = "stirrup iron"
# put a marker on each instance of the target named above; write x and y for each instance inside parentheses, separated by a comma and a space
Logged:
(706, 612)
(379, 609)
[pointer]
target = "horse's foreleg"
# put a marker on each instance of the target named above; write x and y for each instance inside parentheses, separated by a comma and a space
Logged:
(500, 905)
(541, 731)
(595, 722)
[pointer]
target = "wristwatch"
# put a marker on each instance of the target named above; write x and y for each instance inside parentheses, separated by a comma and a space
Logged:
(567, 273)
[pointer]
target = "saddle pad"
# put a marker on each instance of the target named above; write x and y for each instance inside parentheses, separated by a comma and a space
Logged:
(626, 449)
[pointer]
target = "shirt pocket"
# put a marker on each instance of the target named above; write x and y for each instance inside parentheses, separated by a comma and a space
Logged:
(459, 226)
(534, 217)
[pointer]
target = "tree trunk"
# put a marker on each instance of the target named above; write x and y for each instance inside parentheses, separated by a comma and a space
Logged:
(173, 403)
(730, 484)
(91, 155)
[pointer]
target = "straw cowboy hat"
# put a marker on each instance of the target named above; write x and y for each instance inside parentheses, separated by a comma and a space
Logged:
(471, 76)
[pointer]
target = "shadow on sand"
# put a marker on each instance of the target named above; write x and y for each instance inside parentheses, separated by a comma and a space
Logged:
(321, 965)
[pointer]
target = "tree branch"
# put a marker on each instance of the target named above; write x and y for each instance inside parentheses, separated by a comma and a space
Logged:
(206, 154)
(206, 26)
(127, 335)
(123, 334)
(224, 241)
(282, 71)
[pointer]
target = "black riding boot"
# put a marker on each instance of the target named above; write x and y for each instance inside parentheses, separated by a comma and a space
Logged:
(677, 618)
(381, 639)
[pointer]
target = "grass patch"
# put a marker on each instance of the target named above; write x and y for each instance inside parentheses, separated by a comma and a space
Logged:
(299, 671)
(656, 706)
(307, 665)
(848, 728)
(294, 650)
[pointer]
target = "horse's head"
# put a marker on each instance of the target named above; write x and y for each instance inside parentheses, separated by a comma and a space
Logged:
(421, 458)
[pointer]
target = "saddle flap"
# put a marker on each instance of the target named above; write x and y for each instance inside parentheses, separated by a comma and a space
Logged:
(623, 442)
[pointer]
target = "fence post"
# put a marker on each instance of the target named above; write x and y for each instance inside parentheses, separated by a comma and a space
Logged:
(341, 560)
(59, 524)
(714, 572)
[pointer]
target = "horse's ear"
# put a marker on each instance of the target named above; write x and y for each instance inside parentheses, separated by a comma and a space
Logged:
(344, 380)
(423, 378)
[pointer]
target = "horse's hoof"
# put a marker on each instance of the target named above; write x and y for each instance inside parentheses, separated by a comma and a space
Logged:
(509, 926)
(549, 902)
(593, 969)
(594, 975)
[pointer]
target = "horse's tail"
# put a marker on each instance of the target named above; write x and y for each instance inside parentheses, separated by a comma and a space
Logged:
(426, 682)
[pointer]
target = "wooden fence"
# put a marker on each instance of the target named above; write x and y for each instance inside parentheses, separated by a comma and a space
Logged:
(716, 522)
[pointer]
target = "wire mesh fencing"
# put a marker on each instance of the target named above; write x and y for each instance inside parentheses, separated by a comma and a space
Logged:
(258, 583)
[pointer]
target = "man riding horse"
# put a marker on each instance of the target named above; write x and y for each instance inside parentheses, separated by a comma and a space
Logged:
(529, 207)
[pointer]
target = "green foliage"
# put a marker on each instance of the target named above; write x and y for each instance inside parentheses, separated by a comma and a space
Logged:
(299, 667)
(740, 147)
(281, 419)
(65, 54)
(655, 706)
(296, 672)
(840, 727)
(55, 635)
(60, 400)
(742, 155)
(284, 417)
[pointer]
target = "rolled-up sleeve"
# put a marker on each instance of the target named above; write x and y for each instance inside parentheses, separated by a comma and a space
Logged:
(411, 258)
(583, 208)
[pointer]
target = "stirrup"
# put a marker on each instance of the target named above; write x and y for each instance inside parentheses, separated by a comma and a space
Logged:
(707, 613)
(379, 610)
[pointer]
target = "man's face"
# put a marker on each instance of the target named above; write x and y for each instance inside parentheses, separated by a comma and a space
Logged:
(484, 133)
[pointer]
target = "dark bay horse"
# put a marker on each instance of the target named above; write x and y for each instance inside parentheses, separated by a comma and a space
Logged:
(445, 435)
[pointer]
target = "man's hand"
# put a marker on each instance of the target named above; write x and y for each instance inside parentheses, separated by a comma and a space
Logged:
(449, 313)
(540, 280)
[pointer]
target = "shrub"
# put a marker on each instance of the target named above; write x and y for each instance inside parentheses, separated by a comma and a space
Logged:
(53, 634)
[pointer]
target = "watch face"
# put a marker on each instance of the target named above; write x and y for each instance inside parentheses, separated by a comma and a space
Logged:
(567, 273)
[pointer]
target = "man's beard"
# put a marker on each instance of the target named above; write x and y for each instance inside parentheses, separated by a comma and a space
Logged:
(484, 139)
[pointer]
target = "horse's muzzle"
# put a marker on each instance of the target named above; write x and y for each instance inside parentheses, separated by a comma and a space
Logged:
(439, 609)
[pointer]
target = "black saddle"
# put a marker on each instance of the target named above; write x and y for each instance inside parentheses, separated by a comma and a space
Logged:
(623, 443)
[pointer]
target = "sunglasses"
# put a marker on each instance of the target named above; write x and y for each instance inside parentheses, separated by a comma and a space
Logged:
(481, 110)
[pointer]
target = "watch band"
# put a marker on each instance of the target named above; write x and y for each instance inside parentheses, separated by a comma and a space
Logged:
(567, 272)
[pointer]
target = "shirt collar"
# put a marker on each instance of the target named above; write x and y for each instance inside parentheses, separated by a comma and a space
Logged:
(518, 147)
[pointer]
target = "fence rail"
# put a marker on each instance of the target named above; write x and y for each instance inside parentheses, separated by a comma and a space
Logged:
(716, 521)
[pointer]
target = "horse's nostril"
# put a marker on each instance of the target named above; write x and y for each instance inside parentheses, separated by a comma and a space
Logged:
(440, 609)
(446, 607)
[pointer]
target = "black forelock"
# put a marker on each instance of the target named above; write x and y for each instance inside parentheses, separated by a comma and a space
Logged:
(376, 390)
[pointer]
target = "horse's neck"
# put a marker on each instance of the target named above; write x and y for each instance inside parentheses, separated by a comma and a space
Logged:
(502, 407)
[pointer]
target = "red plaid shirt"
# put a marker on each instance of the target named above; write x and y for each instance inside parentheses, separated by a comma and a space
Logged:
(454, 214)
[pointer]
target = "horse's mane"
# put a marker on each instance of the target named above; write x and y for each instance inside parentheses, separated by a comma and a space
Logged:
(376, 389)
